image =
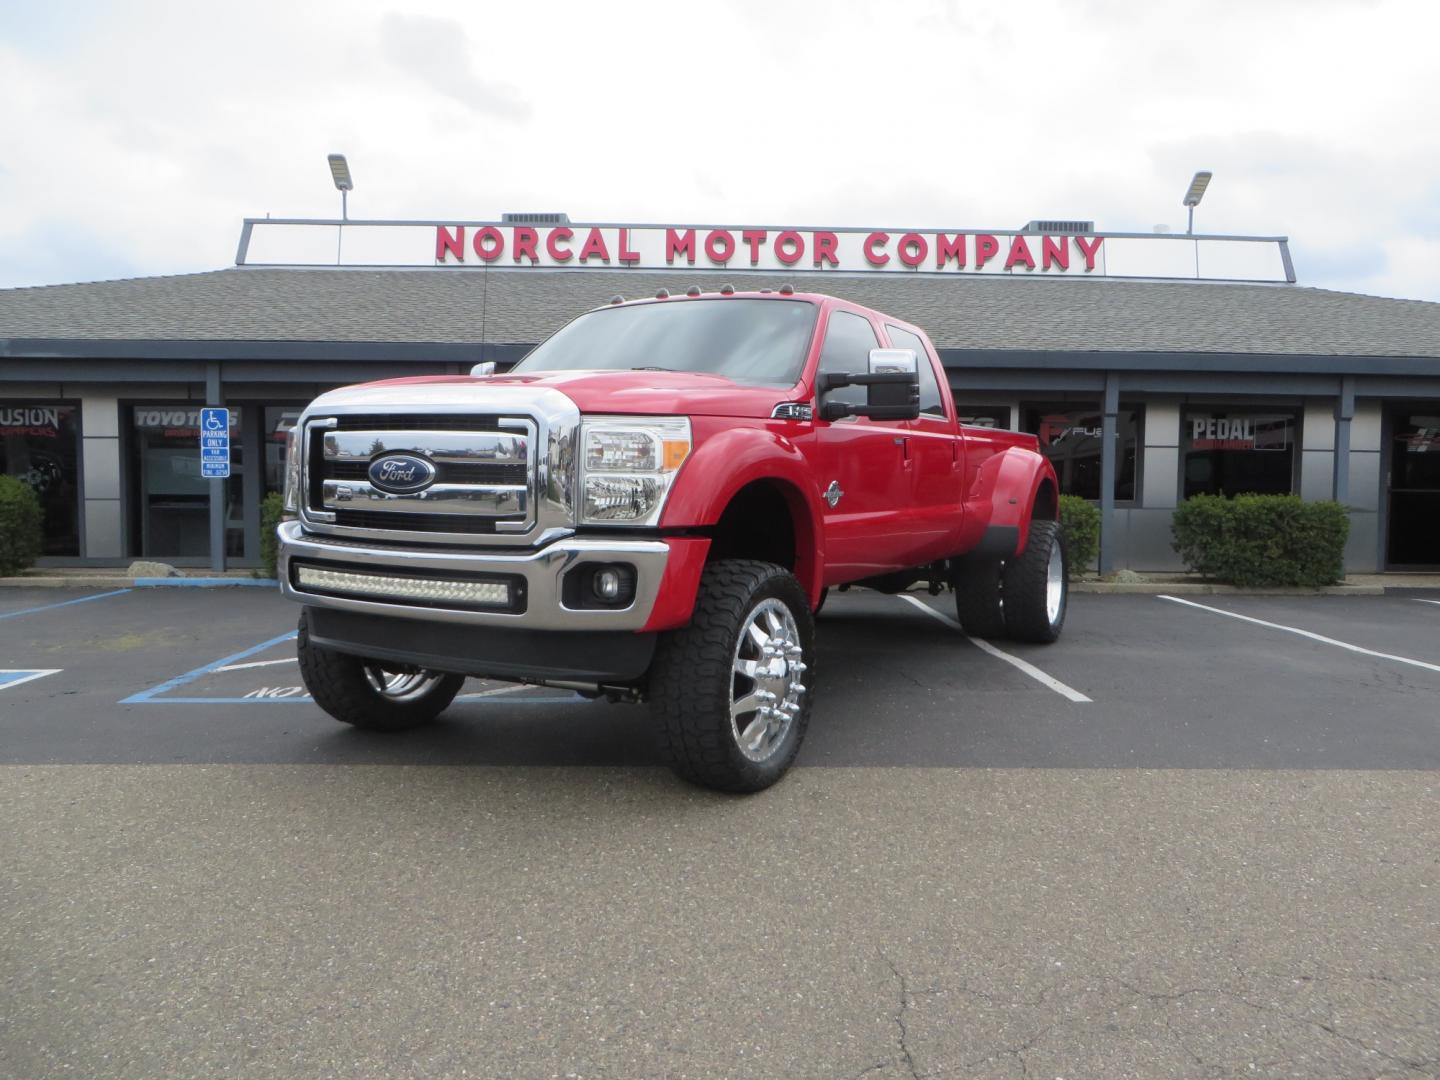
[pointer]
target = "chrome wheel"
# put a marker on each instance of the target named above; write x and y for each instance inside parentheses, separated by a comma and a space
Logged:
(1054, 584)
(400, 686)
(766, 692)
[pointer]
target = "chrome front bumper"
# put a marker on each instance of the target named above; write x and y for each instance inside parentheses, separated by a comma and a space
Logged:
(542, 571)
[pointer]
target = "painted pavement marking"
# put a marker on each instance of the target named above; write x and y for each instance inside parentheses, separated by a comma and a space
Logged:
(1014, 661)
(15, 676)
(288, 695)
(63, 603)
(1306, 634)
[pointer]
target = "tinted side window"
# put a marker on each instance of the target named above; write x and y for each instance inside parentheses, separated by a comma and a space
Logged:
(931, 404)
(848, 342)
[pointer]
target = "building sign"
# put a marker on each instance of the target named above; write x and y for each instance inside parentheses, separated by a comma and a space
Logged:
(763, 249)
(1239, 433)
(796, 249)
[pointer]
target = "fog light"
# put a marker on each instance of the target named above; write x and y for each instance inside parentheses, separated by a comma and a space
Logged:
(607, 584)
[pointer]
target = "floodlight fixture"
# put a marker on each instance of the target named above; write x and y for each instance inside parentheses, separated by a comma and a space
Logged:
(340, 173)
(1194, 194)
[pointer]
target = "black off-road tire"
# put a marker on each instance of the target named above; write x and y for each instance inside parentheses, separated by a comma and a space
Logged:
(339, 685)
(1026, 586)
(692, 678)
(977, 596)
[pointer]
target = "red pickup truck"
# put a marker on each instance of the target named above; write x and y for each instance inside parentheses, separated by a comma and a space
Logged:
(651, 506)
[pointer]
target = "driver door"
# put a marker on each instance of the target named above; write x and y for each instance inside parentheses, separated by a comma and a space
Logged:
(859, 463)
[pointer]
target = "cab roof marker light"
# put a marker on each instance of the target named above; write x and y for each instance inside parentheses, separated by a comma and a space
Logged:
(663, 294)
(617, 299)
(787, 289)
(727, 289)
(693, 290)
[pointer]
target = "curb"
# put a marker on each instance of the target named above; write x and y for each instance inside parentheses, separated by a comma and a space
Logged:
(103, 581)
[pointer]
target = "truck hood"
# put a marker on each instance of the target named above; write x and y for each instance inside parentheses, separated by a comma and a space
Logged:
(658, 393)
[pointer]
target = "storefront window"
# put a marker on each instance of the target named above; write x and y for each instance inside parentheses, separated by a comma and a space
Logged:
(172, 497)
(1414, 486)
(1070, 436)
(278, 422)
(40, 444)
(1228, 452)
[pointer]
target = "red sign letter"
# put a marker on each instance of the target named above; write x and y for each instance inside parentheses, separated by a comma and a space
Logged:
(489, 244)
(825, 243)
(680, 244)
(874, 240)
(595, 248)
(444, 242)
(720, 245)
(754, 238)
(626, 255)
(912, 249)
(1055, 252)
(553, 248)
(797, 248)
(1019, 252)
(1089, 250)
(524, 247)
(945, 250)
(986, 247)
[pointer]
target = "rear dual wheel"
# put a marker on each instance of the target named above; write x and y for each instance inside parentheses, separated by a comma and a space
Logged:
(1023, 598)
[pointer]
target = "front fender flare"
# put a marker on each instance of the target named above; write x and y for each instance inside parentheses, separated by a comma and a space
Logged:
(728, 461)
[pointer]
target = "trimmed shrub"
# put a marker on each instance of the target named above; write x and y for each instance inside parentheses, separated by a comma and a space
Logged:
(1080, 521)
(1257, 540)
(21, 532)
(272, 509)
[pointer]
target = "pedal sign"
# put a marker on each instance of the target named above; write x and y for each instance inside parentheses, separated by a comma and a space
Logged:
(214, 443)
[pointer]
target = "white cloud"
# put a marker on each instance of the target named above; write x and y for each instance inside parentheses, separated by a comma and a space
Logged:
(134, 140)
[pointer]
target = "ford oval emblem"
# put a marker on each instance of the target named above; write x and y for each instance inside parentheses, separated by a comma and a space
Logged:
(401, 474)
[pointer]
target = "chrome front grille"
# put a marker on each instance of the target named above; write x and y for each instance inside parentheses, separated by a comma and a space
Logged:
(482, 483)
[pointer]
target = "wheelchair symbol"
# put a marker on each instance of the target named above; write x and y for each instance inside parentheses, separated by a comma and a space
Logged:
(214, 421)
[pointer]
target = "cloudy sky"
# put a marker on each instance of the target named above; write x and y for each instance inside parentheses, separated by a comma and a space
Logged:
(135, 137)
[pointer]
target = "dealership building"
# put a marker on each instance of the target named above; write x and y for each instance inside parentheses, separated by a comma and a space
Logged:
(1151, 367)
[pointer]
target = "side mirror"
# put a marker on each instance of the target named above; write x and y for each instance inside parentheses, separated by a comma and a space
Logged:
(479, 371)
(892, 388)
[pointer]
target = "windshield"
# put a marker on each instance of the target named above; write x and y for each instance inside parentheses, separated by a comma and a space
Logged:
(761, 342)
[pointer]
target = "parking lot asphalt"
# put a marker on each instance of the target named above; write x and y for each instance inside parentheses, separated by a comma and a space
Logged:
(1223, 863)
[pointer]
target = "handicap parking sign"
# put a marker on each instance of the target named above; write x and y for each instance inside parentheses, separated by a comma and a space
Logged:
(214, 443)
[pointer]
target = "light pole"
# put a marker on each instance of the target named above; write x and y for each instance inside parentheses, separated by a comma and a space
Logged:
(340, 172)
(1192, 199)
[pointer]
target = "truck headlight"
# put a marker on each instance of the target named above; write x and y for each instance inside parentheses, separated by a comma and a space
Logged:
(627, 466)
(292, 470)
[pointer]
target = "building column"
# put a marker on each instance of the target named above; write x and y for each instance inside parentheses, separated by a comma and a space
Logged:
(1344, 413)
(102, 517)
(1109, 436)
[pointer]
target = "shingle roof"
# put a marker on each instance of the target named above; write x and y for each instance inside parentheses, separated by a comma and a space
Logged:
(523, 306)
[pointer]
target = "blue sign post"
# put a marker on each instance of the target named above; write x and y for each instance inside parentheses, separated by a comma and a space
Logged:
(215, 443)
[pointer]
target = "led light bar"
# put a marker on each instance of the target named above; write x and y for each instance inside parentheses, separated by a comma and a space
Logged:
(386, 587)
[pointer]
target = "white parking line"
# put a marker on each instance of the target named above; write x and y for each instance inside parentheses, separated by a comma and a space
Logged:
(259, 663)
(1014, 661)
(1307, 634)
(1424, 601)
